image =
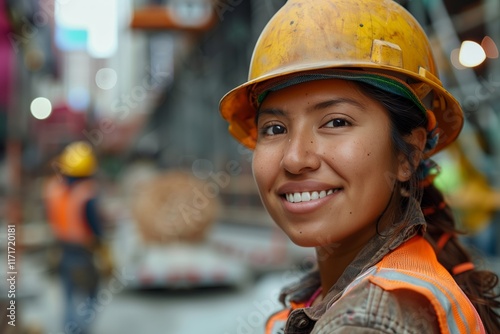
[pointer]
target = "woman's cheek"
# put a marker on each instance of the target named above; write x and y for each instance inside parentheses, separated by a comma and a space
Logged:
(347, 156)
(261, 170)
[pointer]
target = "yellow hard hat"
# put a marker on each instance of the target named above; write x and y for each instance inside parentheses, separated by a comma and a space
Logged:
(364, 40)
(78, 160)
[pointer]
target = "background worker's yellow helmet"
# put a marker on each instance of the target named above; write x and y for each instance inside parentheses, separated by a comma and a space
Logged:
(354, 39)
(78, 160)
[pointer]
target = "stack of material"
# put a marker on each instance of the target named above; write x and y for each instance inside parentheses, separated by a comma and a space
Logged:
(174, 206)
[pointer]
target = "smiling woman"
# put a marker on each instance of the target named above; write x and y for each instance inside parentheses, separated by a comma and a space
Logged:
(316, 146)
(344, 109)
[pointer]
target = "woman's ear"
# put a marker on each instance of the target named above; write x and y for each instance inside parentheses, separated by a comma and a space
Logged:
(417, 139)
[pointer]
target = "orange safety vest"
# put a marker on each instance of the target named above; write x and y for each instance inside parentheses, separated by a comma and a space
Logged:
(66, 210)
(420, 271)
(276, 322)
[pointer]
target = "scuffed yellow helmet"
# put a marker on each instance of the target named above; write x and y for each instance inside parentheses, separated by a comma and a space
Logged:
(78, 160)
(369, 37)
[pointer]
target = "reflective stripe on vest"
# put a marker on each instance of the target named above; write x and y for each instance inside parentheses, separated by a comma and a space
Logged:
(448, 307)
(66, 210)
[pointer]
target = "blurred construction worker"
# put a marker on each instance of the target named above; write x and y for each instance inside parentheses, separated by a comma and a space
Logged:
(72, 211)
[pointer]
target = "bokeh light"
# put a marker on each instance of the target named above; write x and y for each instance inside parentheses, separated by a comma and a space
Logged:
(78, 98)
(490, 47)
(106, 78)
(455, 61)
(471, 54)
(41, 108)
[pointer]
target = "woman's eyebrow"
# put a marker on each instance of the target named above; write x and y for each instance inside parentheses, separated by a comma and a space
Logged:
(318, 106)
(270, 111)
(328, 103)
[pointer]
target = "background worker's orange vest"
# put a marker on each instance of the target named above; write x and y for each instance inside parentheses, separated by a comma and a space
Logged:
(417, 270)
(66, 210)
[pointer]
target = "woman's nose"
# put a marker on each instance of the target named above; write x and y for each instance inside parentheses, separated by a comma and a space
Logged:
(300, 154)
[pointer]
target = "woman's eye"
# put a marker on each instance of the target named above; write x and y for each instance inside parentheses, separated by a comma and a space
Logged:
(337, 123)
(273, 130)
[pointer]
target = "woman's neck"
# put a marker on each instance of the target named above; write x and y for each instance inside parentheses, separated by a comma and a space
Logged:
(332, 262)
(334, 258)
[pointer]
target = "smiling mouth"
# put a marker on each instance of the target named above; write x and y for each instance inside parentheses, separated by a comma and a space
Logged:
(309, 196)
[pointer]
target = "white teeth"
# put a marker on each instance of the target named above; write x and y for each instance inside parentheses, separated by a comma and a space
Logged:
(308, 196)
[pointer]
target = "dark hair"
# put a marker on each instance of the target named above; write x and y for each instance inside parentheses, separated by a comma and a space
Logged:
(478, 285)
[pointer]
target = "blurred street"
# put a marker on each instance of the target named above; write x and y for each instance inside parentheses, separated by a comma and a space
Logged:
(121, 309)
(210, 311)
(223, 310)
